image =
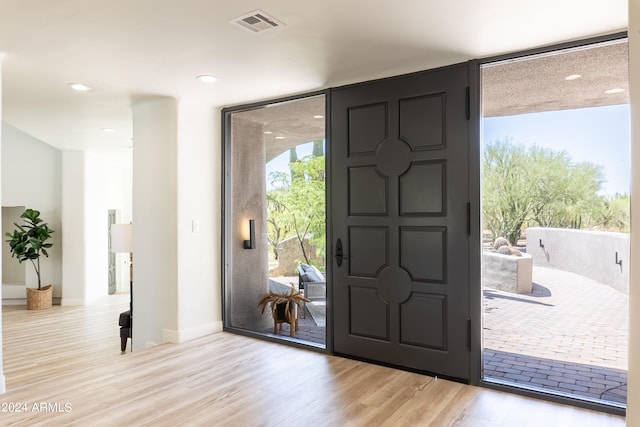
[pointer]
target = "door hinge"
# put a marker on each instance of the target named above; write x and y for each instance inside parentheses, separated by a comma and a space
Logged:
(468, 334)
(468, 219)
(468, 103)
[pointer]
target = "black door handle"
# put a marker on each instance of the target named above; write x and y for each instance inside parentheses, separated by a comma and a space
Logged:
(339, 253)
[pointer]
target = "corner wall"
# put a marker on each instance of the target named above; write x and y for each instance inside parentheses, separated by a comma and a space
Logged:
(91, 185)
(74, 245)
(107, 186)
(155, 219)
(40, 188)
(199, 184)
(176, 221)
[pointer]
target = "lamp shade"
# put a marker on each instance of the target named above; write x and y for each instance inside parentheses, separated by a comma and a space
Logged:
(121, 238)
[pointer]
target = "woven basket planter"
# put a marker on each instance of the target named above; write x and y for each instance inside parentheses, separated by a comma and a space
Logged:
(39, 299)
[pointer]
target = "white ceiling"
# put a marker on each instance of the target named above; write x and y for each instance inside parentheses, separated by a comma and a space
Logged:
(127, 50)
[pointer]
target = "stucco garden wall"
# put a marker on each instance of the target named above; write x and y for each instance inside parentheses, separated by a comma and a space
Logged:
(589, 253)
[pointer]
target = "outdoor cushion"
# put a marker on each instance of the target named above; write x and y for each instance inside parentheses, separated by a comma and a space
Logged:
(311, 274)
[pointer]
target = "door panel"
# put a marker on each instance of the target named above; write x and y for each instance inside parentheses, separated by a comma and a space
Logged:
(399, 194)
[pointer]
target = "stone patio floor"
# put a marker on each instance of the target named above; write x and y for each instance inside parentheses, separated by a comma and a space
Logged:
(308, 329)
(569, 335)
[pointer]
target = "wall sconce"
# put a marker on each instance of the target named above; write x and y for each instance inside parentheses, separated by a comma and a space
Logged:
(251, 243)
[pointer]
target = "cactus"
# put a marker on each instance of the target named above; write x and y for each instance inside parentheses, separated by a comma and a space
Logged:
(577, 223)
(515, 251)
(502, 246)
(504, 250)
(500, 242)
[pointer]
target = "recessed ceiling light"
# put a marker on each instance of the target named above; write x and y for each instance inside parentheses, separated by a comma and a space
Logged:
(79, 87)
(612, 91)
(573, 77)
(279, 137)
(108, 130)
(267, 132)
(206, 78)
(318, 116)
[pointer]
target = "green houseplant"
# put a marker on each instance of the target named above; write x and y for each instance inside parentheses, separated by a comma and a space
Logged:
(27, 243)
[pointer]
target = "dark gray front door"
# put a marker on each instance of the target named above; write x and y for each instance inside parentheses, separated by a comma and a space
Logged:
(399, 196)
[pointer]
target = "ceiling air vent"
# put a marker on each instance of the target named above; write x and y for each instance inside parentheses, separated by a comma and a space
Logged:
(256, 22)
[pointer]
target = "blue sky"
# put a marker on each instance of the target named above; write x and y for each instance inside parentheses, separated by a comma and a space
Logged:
(281, 162)
(598, 135)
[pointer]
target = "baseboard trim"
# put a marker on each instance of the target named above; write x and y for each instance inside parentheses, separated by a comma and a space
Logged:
(70, 302)
(23, 301)
(175, 337)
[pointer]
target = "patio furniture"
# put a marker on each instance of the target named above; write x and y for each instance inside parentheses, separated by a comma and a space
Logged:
(312, 282)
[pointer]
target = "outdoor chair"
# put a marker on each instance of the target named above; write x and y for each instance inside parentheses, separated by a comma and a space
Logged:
(311, 282)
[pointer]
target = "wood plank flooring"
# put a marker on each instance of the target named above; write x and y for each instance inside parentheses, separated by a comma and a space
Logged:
(65, 366)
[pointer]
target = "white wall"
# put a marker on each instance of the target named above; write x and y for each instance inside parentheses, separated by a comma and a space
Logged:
(91, 186)
(32, 177)
(13, 273)
(122, 183)
(3, 387)
(176, 182)
(74, 245)
(74, 191)
(633, 392)
(107, 186)
(199, 194)
(155, 219)
(591, 254)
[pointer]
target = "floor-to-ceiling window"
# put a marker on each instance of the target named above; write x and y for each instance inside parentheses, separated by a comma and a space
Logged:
(275, 220)
(555, 215)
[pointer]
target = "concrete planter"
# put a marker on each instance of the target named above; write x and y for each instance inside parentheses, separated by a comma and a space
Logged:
(507, 272)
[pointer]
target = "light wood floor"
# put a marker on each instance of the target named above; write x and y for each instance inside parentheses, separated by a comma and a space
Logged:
(70, 357)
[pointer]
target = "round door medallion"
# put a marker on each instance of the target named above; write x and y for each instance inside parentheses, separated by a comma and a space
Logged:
(393, 157)
(394, 285)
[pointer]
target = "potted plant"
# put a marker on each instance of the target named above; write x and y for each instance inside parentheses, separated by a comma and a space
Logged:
(27, 243)
(284, 308)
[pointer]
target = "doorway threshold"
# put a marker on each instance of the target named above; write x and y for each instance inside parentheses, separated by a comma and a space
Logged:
(529, 390)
